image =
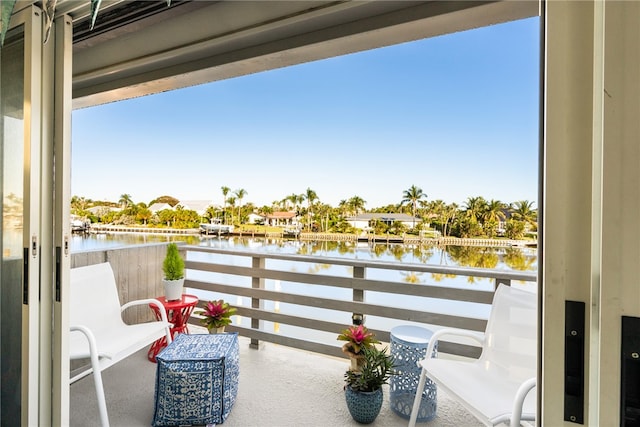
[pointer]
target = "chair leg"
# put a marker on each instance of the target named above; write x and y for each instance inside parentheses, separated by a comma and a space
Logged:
(97, 373)
(102, 403)
(97, 379)
(418, 398)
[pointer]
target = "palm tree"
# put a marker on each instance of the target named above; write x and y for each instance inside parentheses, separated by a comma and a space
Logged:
(493, 214)
(79, 203)
(310, 196)
(293, 198)
(299, 201)
(125, 200)
(343, 207)
(522, 210)
(474, 208)
(449, 213)
(240, 193)
(412, 195)
(232, 204)
(357, 204)
(225, 192)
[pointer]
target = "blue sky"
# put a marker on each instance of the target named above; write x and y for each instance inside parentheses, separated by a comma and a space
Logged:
(455, 115)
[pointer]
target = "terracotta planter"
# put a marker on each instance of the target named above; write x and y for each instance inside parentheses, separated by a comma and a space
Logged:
(356, 359)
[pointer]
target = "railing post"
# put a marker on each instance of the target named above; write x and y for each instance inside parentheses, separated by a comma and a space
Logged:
(257, 282)
(358, 295)
(502, 281)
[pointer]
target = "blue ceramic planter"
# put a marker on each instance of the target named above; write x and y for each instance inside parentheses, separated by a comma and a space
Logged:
(363, 406)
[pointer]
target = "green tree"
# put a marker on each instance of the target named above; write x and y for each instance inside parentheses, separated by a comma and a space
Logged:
(171, 201)
(515, 229)
(356, 204)
(80, 203)
(225, 193)
(310, 196)
(475, 208)
(522, 210)
(125, 201)
(231, 201)
(293, 198)
(412, 196)
(493, 214)
(240, 193)
(143, 214)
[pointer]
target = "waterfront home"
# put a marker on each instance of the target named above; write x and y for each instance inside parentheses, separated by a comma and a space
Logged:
(588, 105)
(367, 221)
(281, 219)
(157, 207)
(254, 218)
(199, 206)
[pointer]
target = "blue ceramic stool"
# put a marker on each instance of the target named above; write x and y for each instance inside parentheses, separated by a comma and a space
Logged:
(409, 346)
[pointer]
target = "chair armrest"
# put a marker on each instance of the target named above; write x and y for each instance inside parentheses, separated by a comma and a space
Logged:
(93, 349)
(518, 401)
(87, 333)
(476, 336)
(514, 418)
(152, 301)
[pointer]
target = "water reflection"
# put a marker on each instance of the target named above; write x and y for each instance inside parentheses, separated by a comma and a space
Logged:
(505, 258)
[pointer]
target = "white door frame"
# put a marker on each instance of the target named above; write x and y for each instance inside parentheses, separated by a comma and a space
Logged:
(30, 21)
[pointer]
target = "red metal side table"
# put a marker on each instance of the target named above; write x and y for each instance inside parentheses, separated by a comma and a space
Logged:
(178, 313)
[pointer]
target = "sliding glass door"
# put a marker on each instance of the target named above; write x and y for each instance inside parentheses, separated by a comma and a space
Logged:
(19, 189)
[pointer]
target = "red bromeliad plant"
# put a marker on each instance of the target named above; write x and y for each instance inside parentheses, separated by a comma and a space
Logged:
(358, 337)
(216, 314)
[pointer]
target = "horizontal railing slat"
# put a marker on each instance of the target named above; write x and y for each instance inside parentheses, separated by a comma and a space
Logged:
(348, 306)
(454, 294)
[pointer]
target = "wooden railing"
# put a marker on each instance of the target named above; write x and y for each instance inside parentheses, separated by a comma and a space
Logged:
(252, 266)
(231, 274)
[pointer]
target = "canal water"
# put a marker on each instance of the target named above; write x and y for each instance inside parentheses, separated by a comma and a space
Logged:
(501, 258)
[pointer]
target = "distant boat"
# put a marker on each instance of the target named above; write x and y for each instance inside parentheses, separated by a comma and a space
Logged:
(215, 229)
(290, 232)
(79, 226)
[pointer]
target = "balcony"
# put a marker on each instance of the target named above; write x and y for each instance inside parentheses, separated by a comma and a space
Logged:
(291, 365)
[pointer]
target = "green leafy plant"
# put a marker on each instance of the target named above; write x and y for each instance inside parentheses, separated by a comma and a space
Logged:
(376, 370)
(216, 314)
(173, 264)
(357, 337)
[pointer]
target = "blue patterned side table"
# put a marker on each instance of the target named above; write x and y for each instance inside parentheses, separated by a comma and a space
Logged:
(196, 380)
(409, 346)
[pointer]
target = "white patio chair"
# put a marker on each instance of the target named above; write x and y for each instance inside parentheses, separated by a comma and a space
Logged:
(494, 388)
(104, 337)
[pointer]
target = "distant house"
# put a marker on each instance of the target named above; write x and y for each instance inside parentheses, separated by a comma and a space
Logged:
(366, 221)
(102, 210)
(200, 206)
(254, 218)
(281, 219)
(157, 207)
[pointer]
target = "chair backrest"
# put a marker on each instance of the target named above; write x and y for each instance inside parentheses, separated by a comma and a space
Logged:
(511, 335)
(94, 296)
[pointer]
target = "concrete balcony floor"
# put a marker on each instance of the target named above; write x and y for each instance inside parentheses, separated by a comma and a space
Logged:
(279, 387)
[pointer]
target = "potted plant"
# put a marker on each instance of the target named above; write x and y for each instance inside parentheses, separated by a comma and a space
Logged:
(217, 315)
(358, 338)
(363, 389)
(173, 268)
